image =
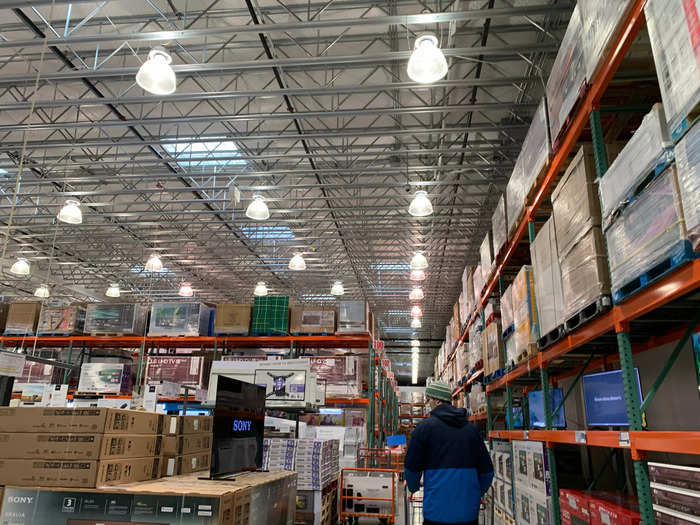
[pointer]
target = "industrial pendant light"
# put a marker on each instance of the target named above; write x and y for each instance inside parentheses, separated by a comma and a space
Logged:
(21, 267)
(297, 262)
(156, 75)
(337, 288)
(427, 63)
(415, 323)
(185, 290)
(415, 343)
(419, 262)
(113, 290)
(70, 213)
(257, 209)
(416, 294)
(154, 264)
(42, 292)
(420, 205)
(416, 311)
(260, 289)
(417, 275)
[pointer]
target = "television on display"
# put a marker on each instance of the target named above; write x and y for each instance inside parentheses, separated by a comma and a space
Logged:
(239, 423)
(284, 387)
(604, 398)
(517, 418)
(536, 408)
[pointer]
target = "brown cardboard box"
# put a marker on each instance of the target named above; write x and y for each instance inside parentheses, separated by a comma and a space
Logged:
(78, 446)
(169, 465)
(232, 318)
(175, 425)
(22, 318)
(118, 471)
(187, 444)
(196, 462)
(492, 344)
(80, 420)
(311, 319)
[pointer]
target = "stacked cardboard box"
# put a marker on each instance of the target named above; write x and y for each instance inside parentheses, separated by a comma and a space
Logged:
(549, 294)
(486, 256)
(532, 497)
(675, 492)
(279, 454)
(179, 319)
(502, 459)
(187, 444)
(479, 283)
(22, 318)
(353, 317)
(493, 353)
(573, 505)
(687, 153)
(524, 315)
(83, 448)
(468, 290)
(270, 315)
(577, 220)
(311, 319)
(475, 354)
(315, 460)
(232, 318)
(499, 226)
(105, 378)
(62, 320)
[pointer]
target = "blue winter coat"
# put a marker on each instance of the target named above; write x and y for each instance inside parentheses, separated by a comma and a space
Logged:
(449, 451)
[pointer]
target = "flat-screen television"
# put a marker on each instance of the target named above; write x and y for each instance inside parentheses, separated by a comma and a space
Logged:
(283, 387)
(239, 423)
(604, 398)
(517, 418)
(536, 408)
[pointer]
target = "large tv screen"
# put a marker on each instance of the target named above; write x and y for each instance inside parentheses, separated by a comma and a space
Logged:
(283, 387)
(239, 423)
(536, 408)
(604, 399)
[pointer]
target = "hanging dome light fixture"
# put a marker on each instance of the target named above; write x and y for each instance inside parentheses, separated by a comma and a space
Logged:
(70, 213)
(427, 63)
(185, 290)
(156, 75)
(337, 288)
(297, 263)
(154, 264)
(21, 267)
(416, 294)
(420, 205)
(260, 289)
(416, 311)
(415, 343)
(257, 209)
(419, 262)
(415, 323)
(417, 275)
(113, 290)
(42, 291)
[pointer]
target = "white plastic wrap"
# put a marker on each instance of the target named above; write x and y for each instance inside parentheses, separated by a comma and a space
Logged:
(549, 295)
(179, 319)
(601, 22)
(475, 352)
(511, 354)
(687, 161)
(648, 231)
(110, 318)
(479, 283)
(461, 360)
(515, 197)
(468, 289)
(567, 77)
(648, 148)
(507, 307)
(492, 308)
(674, 31)
(486, 256)
(477, 399)
(499, 226)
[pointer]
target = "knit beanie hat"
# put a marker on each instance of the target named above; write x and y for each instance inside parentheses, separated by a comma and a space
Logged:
(439, 390)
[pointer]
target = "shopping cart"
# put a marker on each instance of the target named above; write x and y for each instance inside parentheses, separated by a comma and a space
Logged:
(414, 508)
(368, 493)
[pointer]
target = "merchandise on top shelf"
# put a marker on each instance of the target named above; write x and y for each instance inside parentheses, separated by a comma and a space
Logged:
(311, 320)
(352, 316)
(492, 343)
(499, 226)
(486, 256)
(179, 319)
(673, 27)
(232, 318)
(22, 318)
(270, 315)
(524, 314)
(183, 370)
(567, 77)
(649, 231)
(645, 152)
(507, 307)
(549, 294)
(479, 283)
(464, 307)
(687, 153)
(468, 289)
(61, 320)
(109, 318)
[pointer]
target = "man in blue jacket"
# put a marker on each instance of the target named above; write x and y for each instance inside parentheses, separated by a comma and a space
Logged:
(449, 452)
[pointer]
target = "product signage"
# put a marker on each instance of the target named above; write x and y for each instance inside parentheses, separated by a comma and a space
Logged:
(11, 364)
(378, 344)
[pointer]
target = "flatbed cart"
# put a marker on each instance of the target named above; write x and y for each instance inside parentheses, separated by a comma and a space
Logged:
(368, 493)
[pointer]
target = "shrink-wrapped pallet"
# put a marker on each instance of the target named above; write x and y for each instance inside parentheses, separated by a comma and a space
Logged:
(479, 284)
(492, 345)
(511, 355)
(464, 307)
(524, 313)
(475, 351)
(649, 231)
(179, 319)
(232, 318)
(507, 307)
(461, 358)
(61, 320)
(22, 318)
(549, 294)
(499, 227)
(486, 257)
(109, 318)
(687, 154)
(567, 77)
(468, 288)
(492, 309)
(648, 148)
(674, 31)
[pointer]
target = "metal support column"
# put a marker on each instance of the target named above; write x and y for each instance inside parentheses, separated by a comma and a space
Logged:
(372, 398)
(509, 407)
(599, 152)
(551, 460)
(216, 350)
(67, 373)
(139, 367)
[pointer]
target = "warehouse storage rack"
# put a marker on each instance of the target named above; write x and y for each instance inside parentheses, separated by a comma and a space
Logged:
(666, 300)
(383, 413)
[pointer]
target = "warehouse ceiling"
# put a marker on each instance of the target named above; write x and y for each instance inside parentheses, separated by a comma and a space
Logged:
(305, 103)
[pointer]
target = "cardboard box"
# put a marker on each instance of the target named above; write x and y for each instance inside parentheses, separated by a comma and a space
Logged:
(310, 319)
(675, 498)
(606, 508)
(232, 318)
(22, 318)
(189, 444)
(575, 503)
(524, 312)
(175, 425)
(78, 446)
(549, 294)
(80, 420)
(196, 462)
(681, 476)
(664, 516)
(493, 355)
(62, 320)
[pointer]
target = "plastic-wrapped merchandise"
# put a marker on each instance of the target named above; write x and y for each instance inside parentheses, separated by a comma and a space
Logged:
(464, 307)
(549, 294)
(649, 147)
(499, 226)
(475, 351)
(687, 154)
(477, 399)
(649, 230)
(492, 309)
(61, 320)
(515, 196)
(524, 313)
(352, 316)
(468, 288)
(584, 272)
(461, 360)
(673, 30)
(492, 345)
(537, 147)
(568, 76)
(486, 256)
(311, 319)
(121, 318)
(510, 353)
(179, 319)
(479, 284)
(507, 307)
(22, 318)
(575, 203)
(601, 22)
